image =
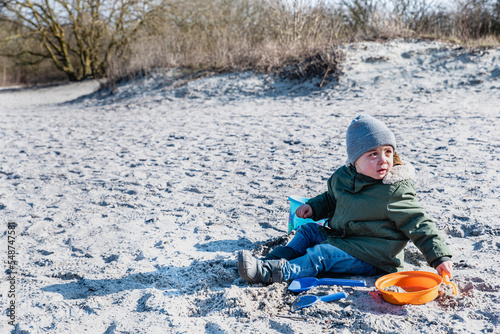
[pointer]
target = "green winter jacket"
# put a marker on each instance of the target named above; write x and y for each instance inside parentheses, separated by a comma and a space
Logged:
(373, 220)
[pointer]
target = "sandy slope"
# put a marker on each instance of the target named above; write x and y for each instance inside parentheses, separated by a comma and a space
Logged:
(130, 206)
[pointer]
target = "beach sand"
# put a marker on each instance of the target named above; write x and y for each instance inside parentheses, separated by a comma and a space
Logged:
(129, 206)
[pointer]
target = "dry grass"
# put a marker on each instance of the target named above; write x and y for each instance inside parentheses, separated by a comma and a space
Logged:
(295, 39)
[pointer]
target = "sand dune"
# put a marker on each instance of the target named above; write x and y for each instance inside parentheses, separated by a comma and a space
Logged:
(130, 206)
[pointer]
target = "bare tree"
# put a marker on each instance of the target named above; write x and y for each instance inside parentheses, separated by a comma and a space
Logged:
(359, 13)
(80, 37)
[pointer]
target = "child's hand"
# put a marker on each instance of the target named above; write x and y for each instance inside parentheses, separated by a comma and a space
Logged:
(446, 266)
(304, 211)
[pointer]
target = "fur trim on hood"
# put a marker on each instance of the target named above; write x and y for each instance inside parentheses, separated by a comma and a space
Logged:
(399, 173)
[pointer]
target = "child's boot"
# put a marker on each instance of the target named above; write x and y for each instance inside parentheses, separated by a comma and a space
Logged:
(281, 252)
(254, 270)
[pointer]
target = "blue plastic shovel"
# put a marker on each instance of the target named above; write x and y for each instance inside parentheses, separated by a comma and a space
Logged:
(308, 300)
(306, 283)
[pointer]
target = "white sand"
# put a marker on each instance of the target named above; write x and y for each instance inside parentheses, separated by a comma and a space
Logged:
(130, 206)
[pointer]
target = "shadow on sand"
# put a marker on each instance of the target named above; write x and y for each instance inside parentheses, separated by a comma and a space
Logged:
(210, 274)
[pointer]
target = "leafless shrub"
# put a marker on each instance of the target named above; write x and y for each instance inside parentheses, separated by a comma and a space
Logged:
(476, 18)
(280, 36)
(254, 35)
(79, 37)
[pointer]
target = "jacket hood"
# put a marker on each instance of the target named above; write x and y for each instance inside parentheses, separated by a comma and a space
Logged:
(399, 173)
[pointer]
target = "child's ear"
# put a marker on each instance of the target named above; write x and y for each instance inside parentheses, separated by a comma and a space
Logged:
(396, 160)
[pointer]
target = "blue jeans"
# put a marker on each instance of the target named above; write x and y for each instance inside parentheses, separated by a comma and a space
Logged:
(315, 257)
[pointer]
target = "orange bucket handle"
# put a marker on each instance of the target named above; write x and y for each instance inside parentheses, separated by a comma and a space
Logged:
(446, 280)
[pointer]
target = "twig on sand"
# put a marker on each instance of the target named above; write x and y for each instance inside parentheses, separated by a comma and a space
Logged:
(292, 317)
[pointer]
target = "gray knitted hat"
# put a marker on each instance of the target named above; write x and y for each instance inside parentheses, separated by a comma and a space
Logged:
(365, 133)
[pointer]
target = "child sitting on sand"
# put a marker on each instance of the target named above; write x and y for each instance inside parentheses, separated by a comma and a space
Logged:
(372, 214)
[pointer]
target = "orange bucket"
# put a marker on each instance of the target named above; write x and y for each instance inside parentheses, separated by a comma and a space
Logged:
(421, 287)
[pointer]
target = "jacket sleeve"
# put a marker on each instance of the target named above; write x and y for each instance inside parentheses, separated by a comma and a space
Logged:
(324, 204)
(410, 218)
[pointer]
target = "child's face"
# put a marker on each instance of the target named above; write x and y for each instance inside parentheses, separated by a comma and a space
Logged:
(376, 163)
